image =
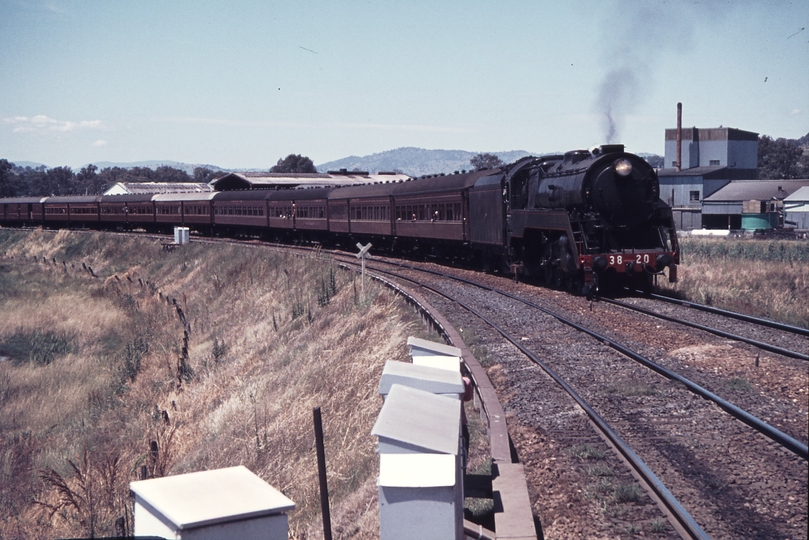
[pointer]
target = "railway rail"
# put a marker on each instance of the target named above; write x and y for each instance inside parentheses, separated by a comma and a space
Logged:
(732, 314)
(716, 331)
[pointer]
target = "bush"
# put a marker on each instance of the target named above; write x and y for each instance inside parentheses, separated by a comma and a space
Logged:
(37, 346)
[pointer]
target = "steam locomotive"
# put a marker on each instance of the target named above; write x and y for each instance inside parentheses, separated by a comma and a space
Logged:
(582, 220)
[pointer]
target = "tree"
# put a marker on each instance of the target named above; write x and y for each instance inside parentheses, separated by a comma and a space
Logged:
(294, 163)
(205, 175)
(89, 182)
(778, 159)
(486, 161)
(7, 188)
(164, 173)
(30, 182)
(58, 181)
(654, 160)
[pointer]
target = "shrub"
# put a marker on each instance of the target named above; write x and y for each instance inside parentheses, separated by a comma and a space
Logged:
(37, 346)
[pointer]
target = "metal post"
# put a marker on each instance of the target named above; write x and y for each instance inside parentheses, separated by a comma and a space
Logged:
(321, 469)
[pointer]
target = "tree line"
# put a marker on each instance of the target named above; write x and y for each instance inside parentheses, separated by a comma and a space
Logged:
(18, 181)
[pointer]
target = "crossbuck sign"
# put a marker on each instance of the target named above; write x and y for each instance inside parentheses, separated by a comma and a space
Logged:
(362, 255)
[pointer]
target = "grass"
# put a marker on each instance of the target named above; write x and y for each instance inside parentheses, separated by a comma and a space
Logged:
(765, 278)
(586, 452)
(740, 385)
(633, 389)
(264, 337)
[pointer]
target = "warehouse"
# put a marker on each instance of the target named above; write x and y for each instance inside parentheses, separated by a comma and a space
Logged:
(749, 204)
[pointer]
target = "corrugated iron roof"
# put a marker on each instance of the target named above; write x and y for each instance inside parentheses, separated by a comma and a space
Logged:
(801, 195)
(259, 180)
(760, 190)
(694, 171)
(130, 188)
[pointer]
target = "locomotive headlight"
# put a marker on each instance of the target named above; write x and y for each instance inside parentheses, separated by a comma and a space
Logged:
(623, 167)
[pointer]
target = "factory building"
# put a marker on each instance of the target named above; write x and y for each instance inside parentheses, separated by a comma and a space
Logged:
(699, 162)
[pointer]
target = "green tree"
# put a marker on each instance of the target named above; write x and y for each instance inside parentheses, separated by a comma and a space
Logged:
(7, 187)
(778, 159)
(58, 181)
(89, 182)
(294, 163)
(30, 182)
(486, 161)
(205, 175)
(164, 173)
(112, 175)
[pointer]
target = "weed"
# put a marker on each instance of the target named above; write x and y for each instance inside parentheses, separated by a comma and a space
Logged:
(91, 492)
(633, 389)
(596, 490)
(659, 526)
(599, 469)
(219, 350)
(740, 385)
(715, 484)
(586, 452)
(133, 355)
(40, 347)
(625, 493)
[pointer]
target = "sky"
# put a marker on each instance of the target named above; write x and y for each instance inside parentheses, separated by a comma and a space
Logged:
(241, 84)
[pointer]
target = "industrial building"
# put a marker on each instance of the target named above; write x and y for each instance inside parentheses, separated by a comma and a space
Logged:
(749, 204)
(699, 163)
(796, 209)
(709, 180)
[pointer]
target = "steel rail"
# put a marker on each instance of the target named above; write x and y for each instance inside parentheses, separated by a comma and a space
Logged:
(740, 414)
(715, 331)
(685, 522)
(741, 316)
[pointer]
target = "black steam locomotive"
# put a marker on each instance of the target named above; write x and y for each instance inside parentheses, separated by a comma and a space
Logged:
(581, 220)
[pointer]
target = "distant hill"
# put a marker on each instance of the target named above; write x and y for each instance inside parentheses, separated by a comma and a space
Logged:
(415, 161)
(24, 164)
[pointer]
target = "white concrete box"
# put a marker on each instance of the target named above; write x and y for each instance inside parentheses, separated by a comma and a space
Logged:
(423, 347)
(438, 381)
(209, 505)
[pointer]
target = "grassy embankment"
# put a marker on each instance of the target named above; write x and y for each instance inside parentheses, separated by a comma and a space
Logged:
(95, 371)
(765, 278)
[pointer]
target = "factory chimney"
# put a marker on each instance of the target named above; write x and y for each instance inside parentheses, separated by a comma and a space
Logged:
(679, 136)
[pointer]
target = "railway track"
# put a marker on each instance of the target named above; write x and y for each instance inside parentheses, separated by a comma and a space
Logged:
(659, 426)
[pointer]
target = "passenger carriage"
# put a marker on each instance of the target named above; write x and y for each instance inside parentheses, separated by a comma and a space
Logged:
(77, 210)
(128, 211)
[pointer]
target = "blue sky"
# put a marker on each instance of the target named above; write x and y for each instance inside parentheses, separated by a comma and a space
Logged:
(244, 83)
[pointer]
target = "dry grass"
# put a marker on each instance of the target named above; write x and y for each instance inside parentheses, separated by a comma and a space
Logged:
(264, 346)
(765, 278)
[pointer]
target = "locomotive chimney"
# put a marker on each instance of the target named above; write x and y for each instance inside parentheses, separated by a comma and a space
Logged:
(679, 136)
